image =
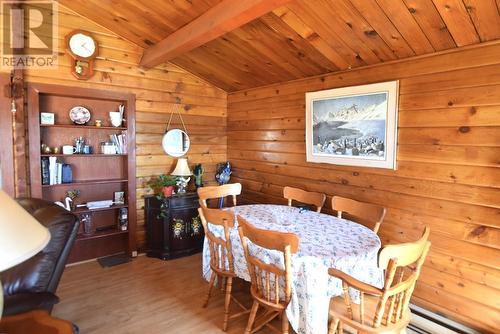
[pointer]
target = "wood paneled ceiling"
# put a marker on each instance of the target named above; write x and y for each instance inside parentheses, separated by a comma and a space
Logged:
(143, 22)
(303, 38)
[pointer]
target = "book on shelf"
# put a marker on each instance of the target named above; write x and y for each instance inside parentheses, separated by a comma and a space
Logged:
(45, 171)
(67, 173)
(59, 173)
(55, 172)
(120, 141)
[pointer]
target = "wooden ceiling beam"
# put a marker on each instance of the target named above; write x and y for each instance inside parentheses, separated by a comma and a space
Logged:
(217, 21)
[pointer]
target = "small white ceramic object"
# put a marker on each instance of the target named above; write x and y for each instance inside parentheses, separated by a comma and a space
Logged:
(116, 118)
(68, 149)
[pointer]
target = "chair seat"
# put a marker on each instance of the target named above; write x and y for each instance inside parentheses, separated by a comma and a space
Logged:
(338, 310)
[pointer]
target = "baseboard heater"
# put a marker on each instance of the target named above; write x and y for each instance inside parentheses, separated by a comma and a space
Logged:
(426, 322)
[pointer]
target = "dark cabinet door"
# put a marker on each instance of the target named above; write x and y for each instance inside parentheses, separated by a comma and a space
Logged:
(179, 224)
(156, 238)
(196, 232)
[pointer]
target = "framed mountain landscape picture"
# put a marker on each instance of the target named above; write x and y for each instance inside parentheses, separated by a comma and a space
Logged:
(354, 126)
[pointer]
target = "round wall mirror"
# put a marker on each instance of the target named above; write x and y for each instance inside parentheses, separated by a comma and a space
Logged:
(175, 143)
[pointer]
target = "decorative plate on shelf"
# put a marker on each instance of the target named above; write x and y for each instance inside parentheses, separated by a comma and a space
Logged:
(79, 115)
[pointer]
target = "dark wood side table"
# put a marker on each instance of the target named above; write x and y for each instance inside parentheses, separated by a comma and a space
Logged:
(36, 322)
(173, 226)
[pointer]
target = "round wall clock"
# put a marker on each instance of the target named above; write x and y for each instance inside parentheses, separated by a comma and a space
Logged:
(79, 115)
(83, 48)
(82, 45)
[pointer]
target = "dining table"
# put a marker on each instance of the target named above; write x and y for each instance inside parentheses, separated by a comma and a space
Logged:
(325, 242)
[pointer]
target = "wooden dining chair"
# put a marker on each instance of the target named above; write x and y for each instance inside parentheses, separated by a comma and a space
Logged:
(221, 258)
(382, 310)
(307, 197)
(270, 285)
(367, 213)
(211, 192)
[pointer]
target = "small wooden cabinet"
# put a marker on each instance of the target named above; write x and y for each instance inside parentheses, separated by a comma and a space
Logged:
(173, 226)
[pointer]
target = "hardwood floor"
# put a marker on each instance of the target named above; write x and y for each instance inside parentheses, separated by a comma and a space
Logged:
(144, 296)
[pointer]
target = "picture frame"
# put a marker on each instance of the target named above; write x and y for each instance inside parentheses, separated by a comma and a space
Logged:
(119, 197)
(353, 126)
(47, 118)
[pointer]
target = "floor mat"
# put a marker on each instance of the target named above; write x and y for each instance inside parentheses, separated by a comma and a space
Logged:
(113, 260)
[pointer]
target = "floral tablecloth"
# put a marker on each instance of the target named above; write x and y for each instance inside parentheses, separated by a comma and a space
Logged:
(325, 241)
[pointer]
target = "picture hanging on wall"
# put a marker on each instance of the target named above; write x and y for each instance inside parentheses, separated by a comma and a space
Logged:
(354, 126)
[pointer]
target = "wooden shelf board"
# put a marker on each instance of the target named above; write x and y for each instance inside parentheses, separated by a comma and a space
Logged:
(72, 126)
(84, 155)
(101, 234)
(86, 210)
(86, 182)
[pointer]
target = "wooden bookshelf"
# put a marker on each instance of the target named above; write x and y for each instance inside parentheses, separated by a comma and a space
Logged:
(96, 175)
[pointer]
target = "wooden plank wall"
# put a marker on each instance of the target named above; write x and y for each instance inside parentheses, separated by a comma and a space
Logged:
(158, 92)
(448, 174)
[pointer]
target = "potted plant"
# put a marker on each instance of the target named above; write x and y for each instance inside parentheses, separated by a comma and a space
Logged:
(162, 184)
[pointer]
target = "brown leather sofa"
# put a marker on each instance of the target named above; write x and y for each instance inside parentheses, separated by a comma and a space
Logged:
(32, 284)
